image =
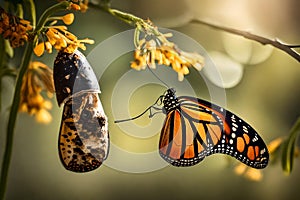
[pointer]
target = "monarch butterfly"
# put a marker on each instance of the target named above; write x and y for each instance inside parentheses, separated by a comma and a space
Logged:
(83, 137)
(194, 129)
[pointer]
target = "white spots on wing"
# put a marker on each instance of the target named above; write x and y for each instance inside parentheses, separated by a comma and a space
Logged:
(245, 129)
(233, 135)
(235, 125)
(255, 138)
(233, 118)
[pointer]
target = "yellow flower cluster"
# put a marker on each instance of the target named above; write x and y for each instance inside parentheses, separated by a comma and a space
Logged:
(163, 52)
(61, 39)
(14, 28)
(38, 78)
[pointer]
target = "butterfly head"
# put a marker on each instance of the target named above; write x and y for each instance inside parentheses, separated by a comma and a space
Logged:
(170, 100)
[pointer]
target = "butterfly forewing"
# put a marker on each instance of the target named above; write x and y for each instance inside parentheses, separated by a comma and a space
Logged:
(83, 136)
(195, 128)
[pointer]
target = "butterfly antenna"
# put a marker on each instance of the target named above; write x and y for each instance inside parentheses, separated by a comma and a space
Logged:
(157, 102)
(157, 76)
(133, 118)
(159, 99)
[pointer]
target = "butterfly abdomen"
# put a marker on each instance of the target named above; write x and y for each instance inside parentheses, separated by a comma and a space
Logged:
(83, 137)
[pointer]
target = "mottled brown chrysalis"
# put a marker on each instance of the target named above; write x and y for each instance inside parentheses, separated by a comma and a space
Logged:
(83, 137)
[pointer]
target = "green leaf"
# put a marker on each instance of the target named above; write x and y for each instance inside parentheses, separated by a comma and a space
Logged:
(0, 94)
(136, 37)
(30, 8)
(20, 12)
(8, 49)
(288, 150)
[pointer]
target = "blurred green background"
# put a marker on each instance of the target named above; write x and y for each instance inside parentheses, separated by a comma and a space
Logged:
(267, 97)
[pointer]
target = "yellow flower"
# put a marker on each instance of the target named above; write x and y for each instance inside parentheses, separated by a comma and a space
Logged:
(68, 18)
(84, 5)
(275, 144)
(250, 173)
(59, 38)
(163, 52)
(13, 28)
(38, 78)
(81, 5)
(39, 49)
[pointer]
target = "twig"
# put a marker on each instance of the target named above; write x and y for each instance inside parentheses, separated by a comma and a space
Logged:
(289, 49)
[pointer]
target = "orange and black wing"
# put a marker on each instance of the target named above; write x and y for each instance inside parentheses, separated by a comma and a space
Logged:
(197, 128)
(189, 133)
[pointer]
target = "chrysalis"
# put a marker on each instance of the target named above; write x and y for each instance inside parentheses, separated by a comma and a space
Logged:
(83, 138)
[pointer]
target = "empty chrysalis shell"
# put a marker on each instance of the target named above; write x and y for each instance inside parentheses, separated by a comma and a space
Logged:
(73, 75)
(83, 137)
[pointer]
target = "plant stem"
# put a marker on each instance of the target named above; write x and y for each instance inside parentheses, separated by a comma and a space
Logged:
(130, 19)
(31, 10)
(12, 120)
(136, 21)
(16, 98)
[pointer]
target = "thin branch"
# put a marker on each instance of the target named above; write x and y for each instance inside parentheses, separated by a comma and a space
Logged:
(294, 46)
(289, 49)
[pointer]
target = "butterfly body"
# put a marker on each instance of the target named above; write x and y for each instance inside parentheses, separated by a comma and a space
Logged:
(194, 129)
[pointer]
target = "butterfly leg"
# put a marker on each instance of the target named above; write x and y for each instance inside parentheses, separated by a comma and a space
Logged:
(157, 110)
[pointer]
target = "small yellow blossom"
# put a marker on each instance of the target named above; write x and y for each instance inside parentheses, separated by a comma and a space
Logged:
(38, 78)
(250, 173)
(39, 49)
(75, 7)
(13, 28)
(81, 5)
(163, 52)
(68, 18)
(43, 116)
(254, 174)
(60, 38)
(275, 144)
(84, 5)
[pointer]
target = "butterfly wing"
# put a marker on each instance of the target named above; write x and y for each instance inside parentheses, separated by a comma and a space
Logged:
(238, 138)
(184, 140)
(197, 128)
(83, 137)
